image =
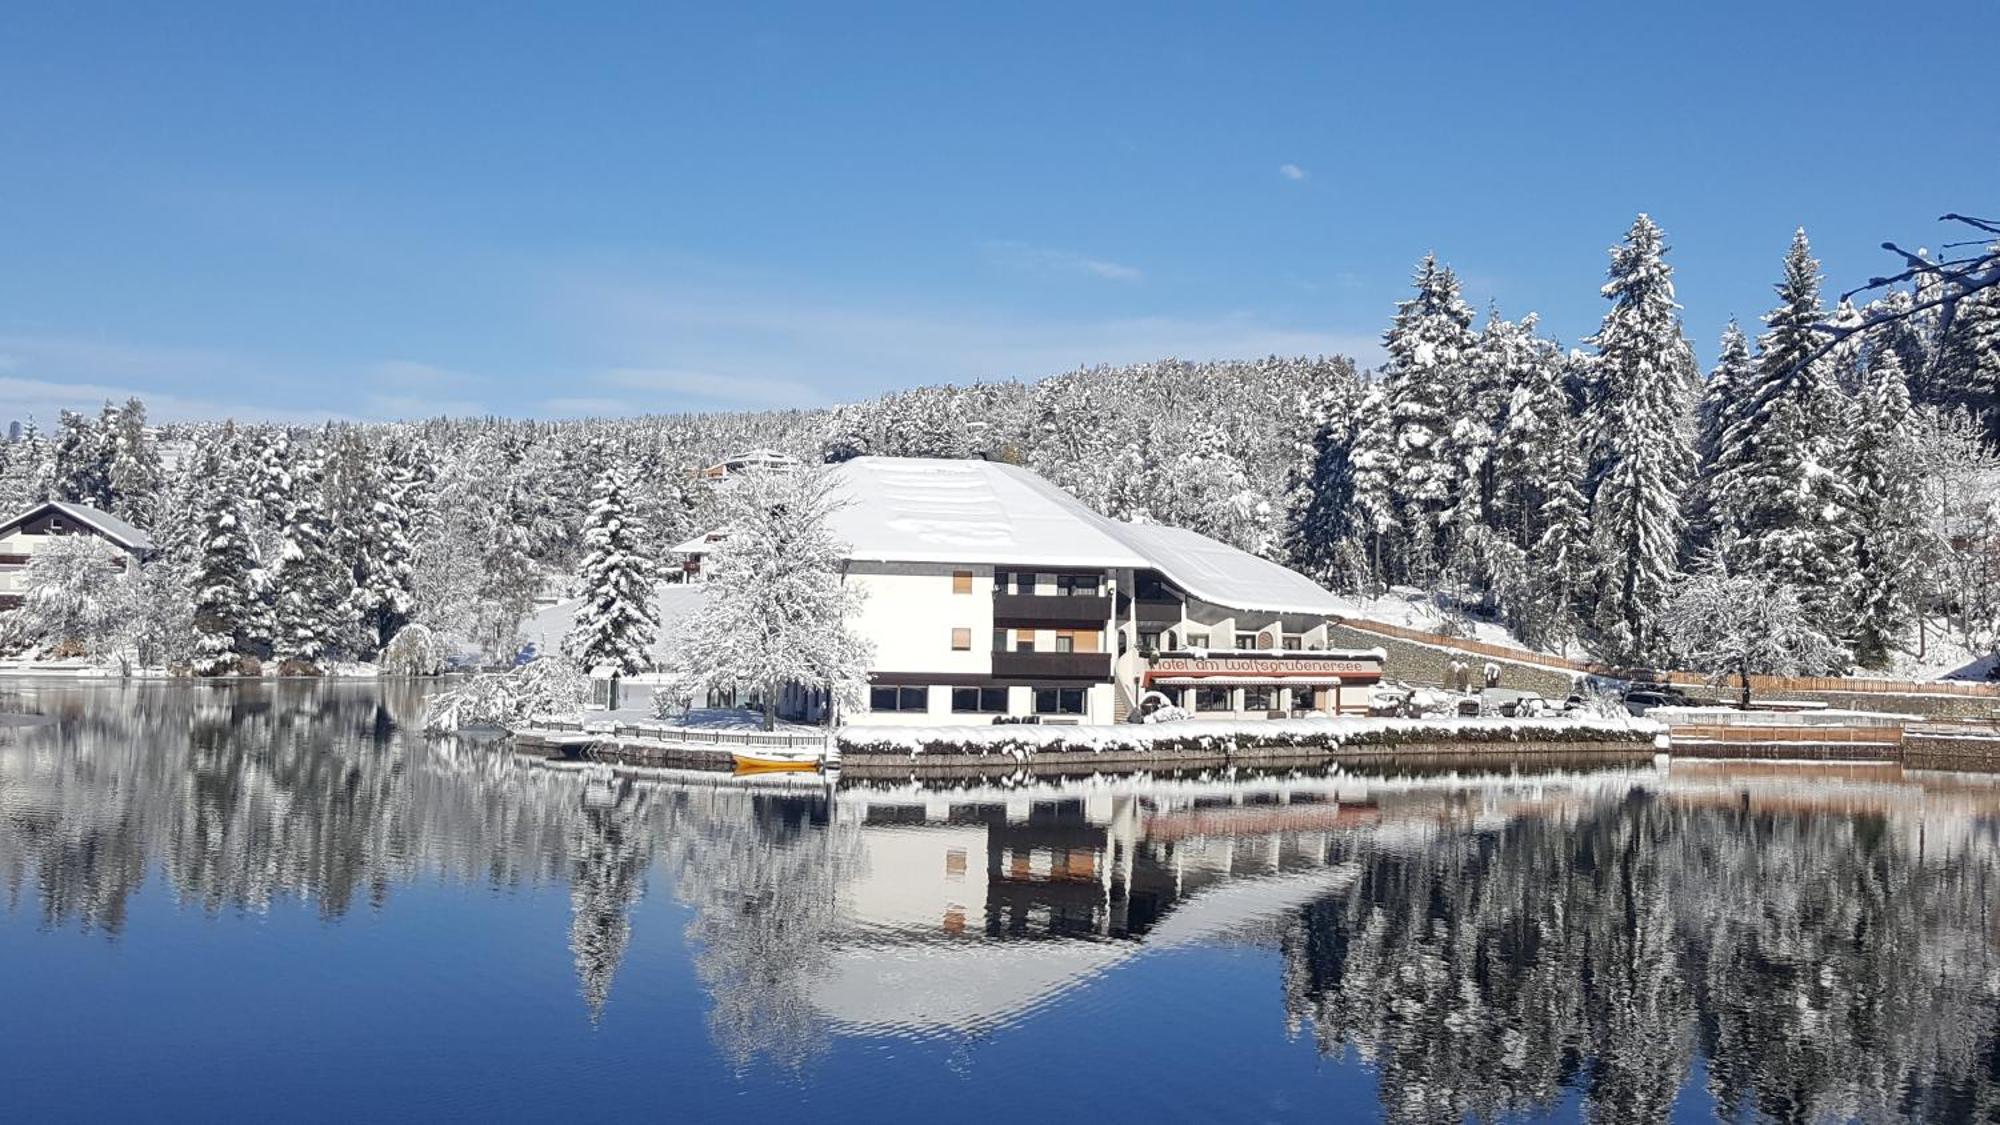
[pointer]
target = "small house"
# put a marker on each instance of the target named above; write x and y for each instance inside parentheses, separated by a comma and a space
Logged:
(29, 531)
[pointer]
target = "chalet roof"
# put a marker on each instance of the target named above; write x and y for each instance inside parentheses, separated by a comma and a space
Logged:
(102, 522)
(919, 509)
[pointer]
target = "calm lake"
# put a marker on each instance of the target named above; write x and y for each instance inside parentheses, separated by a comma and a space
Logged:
(284, 903)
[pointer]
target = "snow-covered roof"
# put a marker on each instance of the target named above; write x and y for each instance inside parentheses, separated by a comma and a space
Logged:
(921, 509)
(1219, 573)
(673, 603)
(104, 523)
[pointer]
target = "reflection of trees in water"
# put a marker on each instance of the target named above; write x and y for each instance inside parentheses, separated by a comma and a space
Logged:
(762, 874)
(242, 795)
(1824, 967)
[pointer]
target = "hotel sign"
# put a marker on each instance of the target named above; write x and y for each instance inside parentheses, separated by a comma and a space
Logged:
(1263, 666)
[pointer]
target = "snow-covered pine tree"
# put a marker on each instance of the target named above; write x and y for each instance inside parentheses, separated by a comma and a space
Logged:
(508, 582)
(1735, 376)
(616, 624)
(1211, 494)
(1638, 427)
(1776, 470)
(1881, 466)
(79, 475)
(1430, 345)
(1968, 358)
(370, 538)
(225, 603)
(778, 609)
(310, 586)
(1376, 465)
(136, 477)
(1535, 437)
(1322, 533)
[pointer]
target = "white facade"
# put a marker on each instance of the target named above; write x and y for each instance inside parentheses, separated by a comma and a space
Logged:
(990, 595)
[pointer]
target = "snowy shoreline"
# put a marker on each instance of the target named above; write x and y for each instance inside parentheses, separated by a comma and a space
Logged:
(1225, 736)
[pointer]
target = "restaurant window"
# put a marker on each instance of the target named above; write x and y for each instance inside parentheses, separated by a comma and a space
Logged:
(1257, 699)
(1077, 585)
(899, 699)
(979, 701)
(961, 640)
(1059, 701)
(1211, 699)
(961, 582)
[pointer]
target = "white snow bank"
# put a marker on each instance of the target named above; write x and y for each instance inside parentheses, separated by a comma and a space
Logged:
(1023, 741)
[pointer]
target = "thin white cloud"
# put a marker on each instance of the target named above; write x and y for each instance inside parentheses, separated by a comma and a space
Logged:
(43, 400)
(1021, 255)
(714, 389)
(1292, 172)
(588, 407)
(846, 348)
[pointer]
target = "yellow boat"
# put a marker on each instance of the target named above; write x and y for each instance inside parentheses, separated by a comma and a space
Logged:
(775, 761)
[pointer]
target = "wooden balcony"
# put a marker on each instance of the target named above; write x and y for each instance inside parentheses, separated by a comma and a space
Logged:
(1052, 665)
(1051, 611)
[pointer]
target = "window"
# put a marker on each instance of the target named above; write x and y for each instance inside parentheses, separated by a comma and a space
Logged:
(1024, 582)
(1257, 699)
(899, 699)
(961, 582)
(1197, 640)
(1059, 701)
(1293, 644)
(999, 640)
(1211, 699)
(1024, 640)
(1246, 640)
(961, 640)
(979, 700)
(1077, 585)
(1077, 640)
(1149, 642)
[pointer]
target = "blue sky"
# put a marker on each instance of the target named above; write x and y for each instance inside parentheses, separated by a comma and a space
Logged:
(291, 211)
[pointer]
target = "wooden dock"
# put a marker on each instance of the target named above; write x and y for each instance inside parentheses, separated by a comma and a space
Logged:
(664, 744)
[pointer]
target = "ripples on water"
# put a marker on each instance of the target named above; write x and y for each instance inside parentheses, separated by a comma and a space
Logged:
(273, 901)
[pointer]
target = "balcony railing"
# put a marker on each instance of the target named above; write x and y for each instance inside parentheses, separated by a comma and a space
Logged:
(1058, 610)
(1052, 665)
(1157, 611)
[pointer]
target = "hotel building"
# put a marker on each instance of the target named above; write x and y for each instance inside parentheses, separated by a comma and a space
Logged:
(992, 595)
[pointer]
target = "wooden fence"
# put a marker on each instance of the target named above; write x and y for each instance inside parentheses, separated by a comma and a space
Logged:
(1760, 733)
(1759, 685)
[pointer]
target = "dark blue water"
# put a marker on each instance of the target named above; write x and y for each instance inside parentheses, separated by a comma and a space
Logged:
(280, 903)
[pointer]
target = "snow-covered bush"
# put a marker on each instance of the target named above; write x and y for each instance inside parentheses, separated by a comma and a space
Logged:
(416, 650)
(540, 689)
(77, 597)
(1167, 714)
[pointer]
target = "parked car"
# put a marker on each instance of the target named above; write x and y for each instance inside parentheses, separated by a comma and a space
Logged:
(1641, 700)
